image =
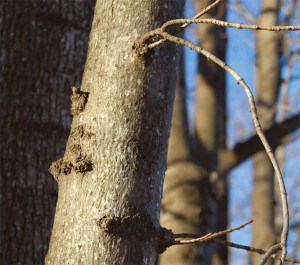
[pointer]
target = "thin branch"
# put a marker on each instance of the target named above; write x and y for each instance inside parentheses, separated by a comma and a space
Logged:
(251, 249)
(241, 151)
(272, 250)
(200, 14)
(229, 24)
(217, 22)
(253, 111)
(185, 25)
(208, 236)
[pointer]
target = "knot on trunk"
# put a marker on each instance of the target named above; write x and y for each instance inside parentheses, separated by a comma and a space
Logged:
(137, 227)
(61, 167)
(143, 51)
(79, 100)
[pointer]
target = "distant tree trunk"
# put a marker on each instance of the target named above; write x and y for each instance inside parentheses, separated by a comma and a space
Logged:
(183, 196)
(268, 77)
(210, 120)
(187, 206)
(42, 50)
(111, 175)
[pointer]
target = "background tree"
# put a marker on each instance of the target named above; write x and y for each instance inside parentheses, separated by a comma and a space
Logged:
(184, 187)
(267, 87)
(43, 49)
(191, 202)
(210, 121)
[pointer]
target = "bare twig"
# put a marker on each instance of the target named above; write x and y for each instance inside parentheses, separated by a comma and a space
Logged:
(272, 250)
(208, 236)
(185, 25)
(196, 19)
(251, 249)
(201, 13)
(229, 24)
(217, 22)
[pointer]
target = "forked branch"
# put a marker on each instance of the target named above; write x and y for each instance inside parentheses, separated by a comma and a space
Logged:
(183, 239)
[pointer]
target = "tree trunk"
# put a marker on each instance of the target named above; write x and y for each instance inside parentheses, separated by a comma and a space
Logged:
(43, 47)
(268, 76)
(110, 178)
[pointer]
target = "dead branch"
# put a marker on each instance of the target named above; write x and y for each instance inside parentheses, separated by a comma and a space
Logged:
(251, 249)
(208, 236)
(229, 24)
(183, 26)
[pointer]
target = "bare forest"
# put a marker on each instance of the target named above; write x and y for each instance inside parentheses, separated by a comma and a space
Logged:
(150, 132)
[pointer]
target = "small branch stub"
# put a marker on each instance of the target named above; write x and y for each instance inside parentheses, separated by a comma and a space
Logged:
(138, 226)
(143, 51)
(79, 100)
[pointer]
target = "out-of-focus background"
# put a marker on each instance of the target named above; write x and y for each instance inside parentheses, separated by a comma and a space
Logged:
(214, 156)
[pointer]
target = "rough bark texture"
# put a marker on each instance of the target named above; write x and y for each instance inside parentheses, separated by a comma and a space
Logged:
(268, 76)
(110, 178)
(183, 204)
(210, 119)
(42, 50)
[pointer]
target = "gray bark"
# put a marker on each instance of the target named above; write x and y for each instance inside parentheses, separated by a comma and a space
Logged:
(111, 175)
(268, 81)
(42, 50)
